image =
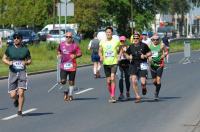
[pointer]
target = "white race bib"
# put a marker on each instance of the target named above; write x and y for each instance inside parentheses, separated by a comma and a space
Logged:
(68, 65)
(109, 54)
(144, 66)
(18, 65)
(154, 53)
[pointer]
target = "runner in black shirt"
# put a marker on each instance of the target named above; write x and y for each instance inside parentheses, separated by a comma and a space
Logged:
(138, 53)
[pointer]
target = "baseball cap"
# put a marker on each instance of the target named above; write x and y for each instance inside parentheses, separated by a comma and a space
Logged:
(16, 34)
(122, 38)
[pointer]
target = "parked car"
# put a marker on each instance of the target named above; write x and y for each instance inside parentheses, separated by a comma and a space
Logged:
(29, 37)
(55, 36)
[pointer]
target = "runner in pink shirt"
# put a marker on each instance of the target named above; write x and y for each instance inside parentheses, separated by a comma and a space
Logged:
(68, 51)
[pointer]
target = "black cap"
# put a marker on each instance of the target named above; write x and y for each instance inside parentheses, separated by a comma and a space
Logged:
(16, 34)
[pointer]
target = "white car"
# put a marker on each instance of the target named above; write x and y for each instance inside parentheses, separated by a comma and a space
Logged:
(54, 36)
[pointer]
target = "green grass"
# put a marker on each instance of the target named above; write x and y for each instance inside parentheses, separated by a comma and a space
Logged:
(44, 55)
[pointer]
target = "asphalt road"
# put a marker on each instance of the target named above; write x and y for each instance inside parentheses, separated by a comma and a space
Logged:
(177, 111)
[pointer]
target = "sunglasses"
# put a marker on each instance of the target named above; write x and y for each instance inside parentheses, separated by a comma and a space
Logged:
(16, 38)
(136, 38)
(155, 39)
(68, 36)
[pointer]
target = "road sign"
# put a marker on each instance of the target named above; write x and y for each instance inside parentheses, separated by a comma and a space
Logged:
(65, 10)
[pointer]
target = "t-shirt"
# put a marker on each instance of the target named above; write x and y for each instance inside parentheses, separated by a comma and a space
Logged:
(136, 51)
(94, 46)
(17, 55)
(66, 50)
(110, 47)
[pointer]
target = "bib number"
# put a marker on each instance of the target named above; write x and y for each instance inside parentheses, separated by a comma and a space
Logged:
(155, 54)
(18, 65)
(68, 65)
(144, 66)
(109, 54)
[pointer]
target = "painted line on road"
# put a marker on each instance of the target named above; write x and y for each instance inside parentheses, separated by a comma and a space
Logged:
(83, 91)
(15, 115)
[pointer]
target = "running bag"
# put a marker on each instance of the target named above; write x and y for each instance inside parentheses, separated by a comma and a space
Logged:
(95, 46)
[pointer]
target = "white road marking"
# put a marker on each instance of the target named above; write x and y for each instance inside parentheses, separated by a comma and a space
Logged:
(14, 116)
(84, 91)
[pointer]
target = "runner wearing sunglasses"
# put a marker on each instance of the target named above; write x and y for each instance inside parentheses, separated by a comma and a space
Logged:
(138, 53)
(68, 51)
(159, 52)
(17, 57)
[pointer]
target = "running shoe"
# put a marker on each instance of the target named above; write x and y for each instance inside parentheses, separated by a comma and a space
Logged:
(65, 96)
(121, 97)
(19, 113)
(70, 98)
(144, 91)
(112, 100)
(137, 100)
(127, 95)
(156, 97)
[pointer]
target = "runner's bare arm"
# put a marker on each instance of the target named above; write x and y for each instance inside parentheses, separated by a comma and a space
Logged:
(164, 50)
(6, 60)
(100, 53)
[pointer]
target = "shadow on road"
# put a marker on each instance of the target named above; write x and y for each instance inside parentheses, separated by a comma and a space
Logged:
(161, 99)
(85, 98)
(3, 108)
(38, 114)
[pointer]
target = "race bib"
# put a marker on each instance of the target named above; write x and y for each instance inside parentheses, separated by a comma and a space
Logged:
(68, 65)
(154, 53)
(143, 66)
(109, 54)
(18, 65)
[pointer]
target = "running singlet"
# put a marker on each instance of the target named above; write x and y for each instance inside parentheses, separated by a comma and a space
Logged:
(156, 55)
(110, 48)
(66, 51)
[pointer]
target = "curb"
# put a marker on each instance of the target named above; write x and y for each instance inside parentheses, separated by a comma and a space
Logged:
(45, 71)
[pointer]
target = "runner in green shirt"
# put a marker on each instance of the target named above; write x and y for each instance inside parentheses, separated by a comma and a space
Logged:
(158, 50)
(108, 55)
(17, 57)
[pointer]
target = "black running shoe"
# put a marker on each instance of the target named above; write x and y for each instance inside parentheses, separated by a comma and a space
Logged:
(19, 113)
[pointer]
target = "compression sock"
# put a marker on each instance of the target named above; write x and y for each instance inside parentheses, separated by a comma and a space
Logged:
(158, 88)
(71, 89)
(112, 89)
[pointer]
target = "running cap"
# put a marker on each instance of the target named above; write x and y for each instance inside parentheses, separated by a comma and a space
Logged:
(155, 36)
(144, 33)
(16, 34)
(136, 34)
(122, 38)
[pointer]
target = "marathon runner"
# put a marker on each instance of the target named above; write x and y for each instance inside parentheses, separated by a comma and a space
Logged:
(108, 55)
(123, 63)
(68, 51)
(159, 52)
(17, 57)
(94, 47)
(138, 53)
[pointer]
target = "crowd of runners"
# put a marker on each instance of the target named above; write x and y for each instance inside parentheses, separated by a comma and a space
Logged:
(132, 60)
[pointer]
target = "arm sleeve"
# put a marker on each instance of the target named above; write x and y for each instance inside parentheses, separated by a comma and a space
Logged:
(128, 51)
